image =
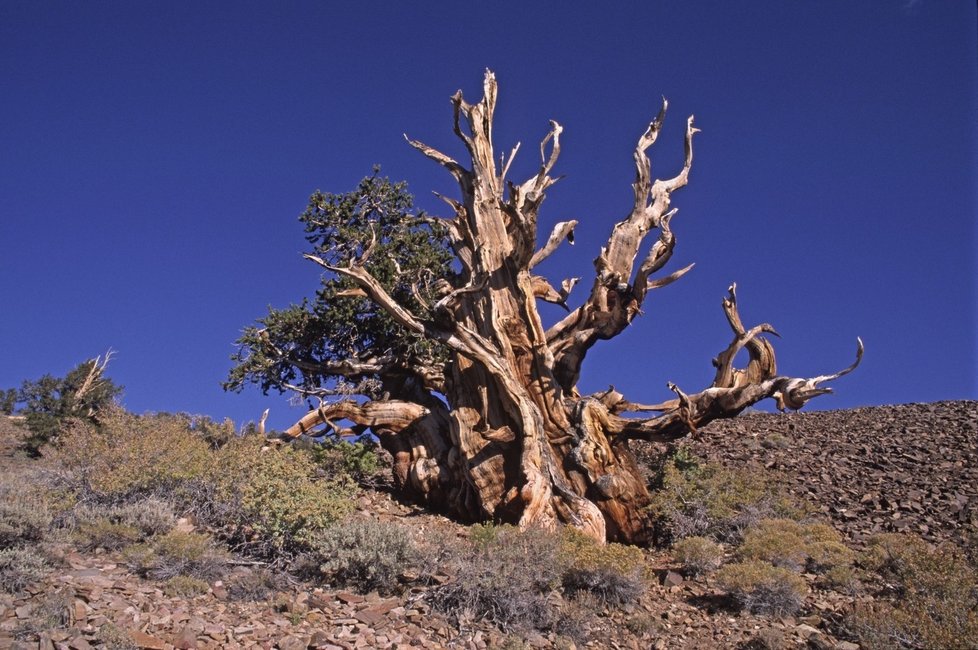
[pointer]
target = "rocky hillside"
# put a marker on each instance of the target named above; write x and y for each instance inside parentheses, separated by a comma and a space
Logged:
(907, 468)
(911, 468)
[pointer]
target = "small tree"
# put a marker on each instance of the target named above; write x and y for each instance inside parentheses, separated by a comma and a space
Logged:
(454, 370)
(49, 401)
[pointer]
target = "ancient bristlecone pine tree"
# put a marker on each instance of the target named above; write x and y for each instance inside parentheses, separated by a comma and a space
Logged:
(494, 427)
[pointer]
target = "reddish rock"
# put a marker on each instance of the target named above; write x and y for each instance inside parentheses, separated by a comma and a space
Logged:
(147, 642)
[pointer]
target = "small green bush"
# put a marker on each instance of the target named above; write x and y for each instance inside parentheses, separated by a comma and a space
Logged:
(929, 597)
(129, 456)
(273, 495)
(177, 554)
(185, 587)
(357, 459)
(20, 567)
(796, 546)
(698, 555)
(697, 498)
(363, 553)
(762, 588)
(611, 573)
(780, 542)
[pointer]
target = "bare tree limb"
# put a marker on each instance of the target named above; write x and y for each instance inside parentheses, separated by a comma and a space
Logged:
(563, 230)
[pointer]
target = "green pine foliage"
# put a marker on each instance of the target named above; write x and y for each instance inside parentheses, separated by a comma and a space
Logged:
(407, 253)
(50, 401)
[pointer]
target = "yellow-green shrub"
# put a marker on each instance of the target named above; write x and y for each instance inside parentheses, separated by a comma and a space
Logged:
(763, 588)
(128, 455)
(794, 545)
(185, 587)
(612, 573)
(177, 554)
(696, 498)
(933, 596)
(278, 494)
(698, 555)
(580, 551)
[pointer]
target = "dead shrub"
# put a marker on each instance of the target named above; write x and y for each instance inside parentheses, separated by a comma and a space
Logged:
(762, 588)
(23, 520)
(254, 584)
(52, 612)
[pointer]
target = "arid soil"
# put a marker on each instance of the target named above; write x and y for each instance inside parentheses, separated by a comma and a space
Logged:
(907, 468)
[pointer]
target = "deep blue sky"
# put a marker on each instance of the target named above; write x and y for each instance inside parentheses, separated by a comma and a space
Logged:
(154, 157)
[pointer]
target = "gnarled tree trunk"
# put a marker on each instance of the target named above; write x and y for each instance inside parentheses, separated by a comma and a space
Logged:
(501, 431)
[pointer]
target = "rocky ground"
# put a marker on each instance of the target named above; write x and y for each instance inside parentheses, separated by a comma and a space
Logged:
(900, 468)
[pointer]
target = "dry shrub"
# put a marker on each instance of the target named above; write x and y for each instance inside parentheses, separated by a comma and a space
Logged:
(177, 554)
(150, 516)
(273, 496)
(185, 587)
(696, 498)
(23, 519)
(505, 580)
(363, 553)
(762, 588)
(698, 555)
(114, 637)
(611, 573)
(929, 597)
(20, 567)
(130, 455)
(796, 546)
(51, 612)
(254, 584)
(105, 534)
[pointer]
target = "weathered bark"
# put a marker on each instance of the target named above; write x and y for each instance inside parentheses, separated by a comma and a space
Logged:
(501, 432)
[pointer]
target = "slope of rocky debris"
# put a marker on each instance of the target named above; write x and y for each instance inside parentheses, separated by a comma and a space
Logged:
(907, 468)
(910, 468)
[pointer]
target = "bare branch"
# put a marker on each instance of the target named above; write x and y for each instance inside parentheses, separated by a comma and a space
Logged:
(506, 165)
(669, 279)
(447, 162)
(95, 374)
(796, 392)
(390, 415)
(561, 231)
(543, 290)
